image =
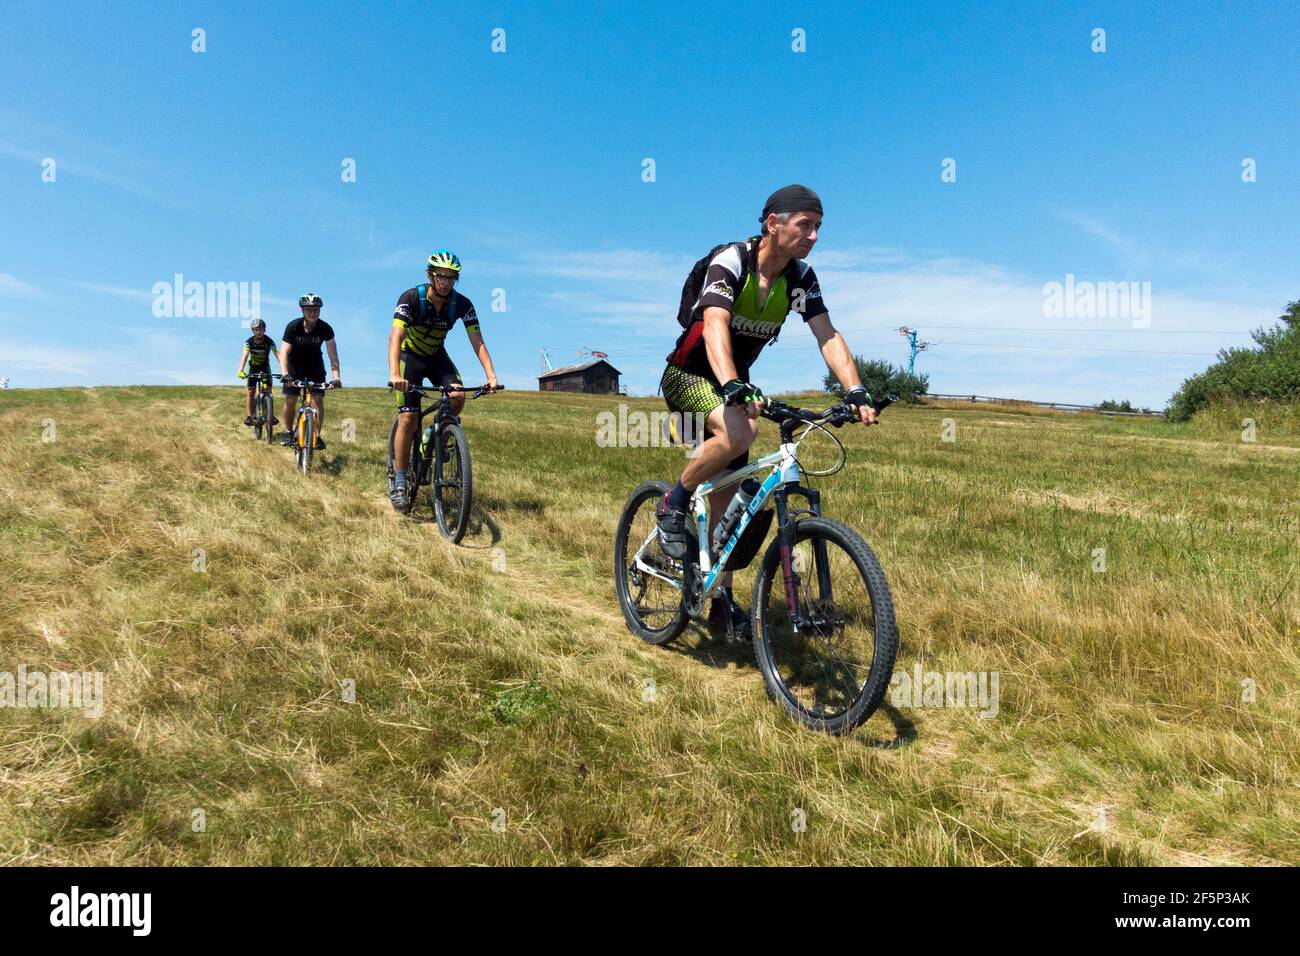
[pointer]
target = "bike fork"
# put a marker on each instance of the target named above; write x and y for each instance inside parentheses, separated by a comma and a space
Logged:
(785, 531)
(786, 526)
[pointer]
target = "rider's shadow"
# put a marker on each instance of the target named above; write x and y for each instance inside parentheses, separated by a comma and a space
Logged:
(482, 530)
(904, 730)
(713, 650)
(333, 465)
(719, 652)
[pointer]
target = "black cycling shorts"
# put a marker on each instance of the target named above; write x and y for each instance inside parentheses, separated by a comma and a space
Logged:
(312, 373)
(437, 369)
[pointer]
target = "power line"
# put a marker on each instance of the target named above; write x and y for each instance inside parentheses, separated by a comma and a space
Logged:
(975, 345)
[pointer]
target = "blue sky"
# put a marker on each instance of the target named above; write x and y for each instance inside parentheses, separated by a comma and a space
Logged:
(225, 166)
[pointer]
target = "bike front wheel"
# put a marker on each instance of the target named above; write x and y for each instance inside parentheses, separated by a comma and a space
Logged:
(306, 442)
(452, 483)
(652, 606)
(824, 629)
(268, 409)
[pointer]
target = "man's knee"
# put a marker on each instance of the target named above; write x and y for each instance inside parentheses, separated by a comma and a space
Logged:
(737, 430)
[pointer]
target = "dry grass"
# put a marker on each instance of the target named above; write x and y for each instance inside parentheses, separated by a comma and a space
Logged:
(499, 675)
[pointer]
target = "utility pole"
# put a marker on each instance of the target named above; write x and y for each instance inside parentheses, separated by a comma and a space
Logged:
(910, 335)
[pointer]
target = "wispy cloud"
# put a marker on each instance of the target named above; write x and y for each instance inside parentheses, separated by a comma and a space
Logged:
(12, 285)
(116, 290)
(41, 358)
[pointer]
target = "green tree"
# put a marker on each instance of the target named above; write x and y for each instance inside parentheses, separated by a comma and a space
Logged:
(1270, 372)
(881, 378)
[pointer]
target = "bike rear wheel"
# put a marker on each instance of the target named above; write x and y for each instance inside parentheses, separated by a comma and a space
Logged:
(453, 485)
(830, 673)
(651, 606)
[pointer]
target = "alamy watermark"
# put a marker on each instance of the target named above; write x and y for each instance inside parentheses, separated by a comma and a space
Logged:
(1074, 299)
(82, 691)
(946, 689)
(659, 429)
(206, 300)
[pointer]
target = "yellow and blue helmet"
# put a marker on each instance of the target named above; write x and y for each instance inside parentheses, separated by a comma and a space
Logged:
(445, 259)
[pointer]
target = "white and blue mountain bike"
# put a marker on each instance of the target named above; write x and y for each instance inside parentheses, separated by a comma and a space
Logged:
(823, 619)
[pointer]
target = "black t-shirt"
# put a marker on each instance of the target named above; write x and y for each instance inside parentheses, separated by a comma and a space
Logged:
(305, 346)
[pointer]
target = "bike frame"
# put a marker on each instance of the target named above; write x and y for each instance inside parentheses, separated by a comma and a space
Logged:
(783, 480)
(441, 410)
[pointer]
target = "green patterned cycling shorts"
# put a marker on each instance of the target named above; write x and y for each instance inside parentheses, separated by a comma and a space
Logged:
(689, 394)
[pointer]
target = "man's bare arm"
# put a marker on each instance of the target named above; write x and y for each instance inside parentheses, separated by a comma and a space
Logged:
(839, 359)
(396, 336)
(481, 350)
(333, 350)
(717, 343)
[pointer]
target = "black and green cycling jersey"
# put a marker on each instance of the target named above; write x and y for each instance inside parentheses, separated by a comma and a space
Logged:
(427, 327)
(259, 353)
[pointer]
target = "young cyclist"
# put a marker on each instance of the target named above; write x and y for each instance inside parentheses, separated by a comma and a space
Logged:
(258, 349)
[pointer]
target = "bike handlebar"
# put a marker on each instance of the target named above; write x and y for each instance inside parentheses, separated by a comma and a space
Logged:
(448, 390)
(299, 383)
(838, 414)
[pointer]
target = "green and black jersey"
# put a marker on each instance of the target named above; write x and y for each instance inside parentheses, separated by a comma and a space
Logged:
(427, 328)
(259, 353)
(731, 284)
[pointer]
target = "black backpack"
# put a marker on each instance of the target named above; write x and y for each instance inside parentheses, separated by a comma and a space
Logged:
(695, 281)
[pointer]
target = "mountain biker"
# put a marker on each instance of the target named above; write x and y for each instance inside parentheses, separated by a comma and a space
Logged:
(748, 290)
(417, 351)
(258, 348)
(300, 358)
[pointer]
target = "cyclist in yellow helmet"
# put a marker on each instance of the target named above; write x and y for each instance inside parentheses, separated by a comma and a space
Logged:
(417, 351)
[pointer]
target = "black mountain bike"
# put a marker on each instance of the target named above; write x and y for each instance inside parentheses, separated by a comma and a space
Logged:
(823, 618)
(439, 461)
(263, 407)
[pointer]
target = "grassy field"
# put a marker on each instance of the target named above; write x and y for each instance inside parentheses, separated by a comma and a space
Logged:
(1147, 713)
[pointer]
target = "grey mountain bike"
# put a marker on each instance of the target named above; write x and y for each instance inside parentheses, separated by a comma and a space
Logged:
(263, 407)
(823, 618)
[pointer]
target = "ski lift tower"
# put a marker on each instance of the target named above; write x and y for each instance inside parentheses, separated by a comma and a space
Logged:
(910, 335)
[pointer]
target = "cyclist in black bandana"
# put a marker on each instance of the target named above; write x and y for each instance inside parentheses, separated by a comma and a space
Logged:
(748, 290)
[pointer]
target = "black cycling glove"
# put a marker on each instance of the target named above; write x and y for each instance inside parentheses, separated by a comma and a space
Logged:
(737, 392)
(858, 395)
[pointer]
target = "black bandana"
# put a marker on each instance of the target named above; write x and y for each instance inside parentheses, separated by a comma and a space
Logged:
(794, 198)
